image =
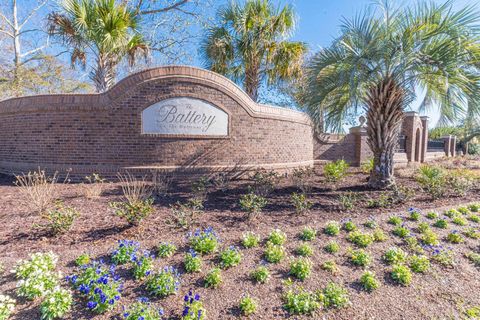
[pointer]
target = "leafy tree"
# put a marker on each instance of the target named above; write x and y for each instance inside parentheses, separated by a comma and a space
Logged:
(102, 28)
(380, 60)
(248, 43)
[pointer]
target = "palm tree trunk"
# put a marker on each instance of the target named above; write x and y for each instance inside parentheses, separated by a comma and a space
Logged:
(103, 75)
(385, 115)
(252, 82)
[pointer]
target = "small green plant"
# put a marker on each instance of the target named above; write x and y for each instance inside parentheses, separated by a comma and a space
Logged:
(164, 283)
(56, 305)
(260, 275)
(300, 301)
(423, 227)
(475, 207)
(429, 238)
(379, 235)
(330, 266)
(133, 211)
(185, 215)
(360, 257)
(250, 240)
(308, 234)
(264, 182)
(394, 255)
(401, 231)
(301, 268)
(413, 245)
(384, 200)
(414, 214)
(474, 218)
(360, 239)
(371, 223)
(472, 233)
(369, 281)
(455, 237)
(460, 221)
(192, 308)
(252, 204)
(347, 200)
(332, 247)
(367, 166)
(248, 305)
(335, 171)
(124, 251)
(274, 253)
(203, 242)
(349, 225)
(142, 310)
(166, 249)
(58, 220)
(461, 181)
(419, 264)
(432, 215)
(451, 213)
(334, 296)
(39, 262)
(463, 210)
(7, 306)
(433, 180)
(304, 250)
(192, 261)
(401, 274)
(395, 220)
(332, 228)
(37, 284)
(441, 224)
(301, 203)
(473, 312)
(142, 266)
(213, 278)
(82, 260)
(230, 257)
(444, 257)
(474, 258)
(277, 237)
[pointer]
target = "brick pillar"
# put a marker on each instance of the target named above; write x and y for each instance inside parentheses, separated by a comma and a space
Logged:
(362, 150)
(447, 140)
(423, 154)
(453, 146)
(408, 130)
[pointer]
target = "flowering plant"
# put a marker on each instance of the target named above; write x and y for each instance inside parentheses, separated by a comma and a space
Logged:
(213, 278)
(38, 262)
(164, 283)
(166, 249)
(142, 309)
(192, 262)
(7, 305)
(204, 242)
(142, 266)
(57, 304)
(125, 251)
(37, 284)
(193, 308)
(250, 240)
(277, 237)
(230, 257)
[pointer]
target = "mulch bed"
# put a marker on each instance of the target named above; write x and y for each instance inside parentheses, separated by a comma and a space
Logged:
(441, 293)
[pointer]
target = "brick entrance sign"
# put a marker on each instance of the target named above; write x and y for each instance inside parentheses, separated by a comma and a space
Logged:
(168, 118)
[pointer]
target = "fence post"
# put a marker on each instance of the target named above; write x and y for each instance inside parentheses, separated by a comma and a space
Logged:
(424, 143)
(453, 146)
(447, 144)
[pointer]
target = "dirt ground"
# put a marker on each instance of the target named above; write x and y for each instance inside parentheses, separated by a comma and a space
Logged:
(440, 294)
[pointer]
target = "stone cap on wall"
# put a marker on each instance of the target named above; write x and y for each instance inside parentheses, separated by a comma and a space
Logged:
(102, 101)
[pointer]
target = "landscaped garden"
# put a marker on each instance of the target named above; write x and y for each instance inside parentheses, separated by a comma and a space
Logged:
(316, 243)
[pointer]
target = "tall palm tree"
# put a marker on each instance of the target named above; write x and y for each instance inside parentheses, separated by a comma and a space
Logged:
(103, 29)
(249, 44)
(382, 58)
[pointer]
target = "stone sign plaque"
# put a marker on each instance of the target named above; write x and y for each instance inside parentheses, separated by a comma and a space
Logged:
(184, 116)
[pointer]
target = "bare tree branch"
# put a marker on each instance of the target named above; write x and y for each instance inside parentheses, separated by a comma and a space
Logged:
(7, 33)
(6, 20)
(30, 15)
(174, 6)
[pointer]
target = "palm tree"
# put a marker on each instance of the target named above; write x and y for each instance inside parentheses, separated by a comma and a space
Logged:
(102, 29)
(381, 60)
(249, 44)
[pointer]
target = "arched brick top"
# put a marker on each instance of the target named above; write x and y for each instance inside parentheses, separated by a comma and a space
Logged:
(90, 102)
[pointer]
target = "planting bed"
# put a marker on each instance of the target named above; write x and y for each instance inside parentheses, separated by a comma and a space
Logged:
(442, 292)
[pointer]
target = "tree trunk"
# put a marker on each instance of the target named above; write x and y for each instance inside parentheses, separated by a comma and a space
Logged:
(252, 82)
(103, 75)
(385, 115)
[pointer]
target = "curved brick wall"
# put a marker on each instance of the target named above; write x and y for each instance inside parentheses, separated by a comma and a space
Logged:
(103, 132)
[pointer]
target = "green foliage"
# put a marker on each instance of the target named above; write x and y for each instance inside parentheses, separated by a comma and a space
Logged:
(274, 253)
(304, 250)
(371, 223)
(38, 262)
(308, 234)
(474, 218)
(300, 301)
(248, 305)
(184, 215)
(348, 200)
(472, 233)
(395, 255)
(414, 215)
(461, 181)
(413, 245)
(395, 220)
(301, 176)
(332, 247)
(334, 296)
(56, 305)
(230, 257)
(379, 235)
(432, 215)
(474, 258)
(250, 240)
(37, 284)
(141, 310)
(441, 223)
(401, 232)
(164, 283)
(433, 180)
(264, 182)
(301, 203)
(213, 278)
(419, 264)
(124, 251)
(82, 260)
(193, 308)
(475, 207)
(204, 242)
(369, 281)
(58, 220)
(451, 213)
(166, 249)
(301, 268)
(360, 239)
(459, 221)
(455, 237)
(401, 274)
(332, 228)
(444, 257)
(133, 211)
(330, 266)
(367, 166)
(360, 257)
(192, 262)
(277, 237)
(463, 210)
(349, 225)
(429, 238)
(7, 306)
(335, 171)
(423, 227)
(252, 204)
(261, 274)
(142, 266)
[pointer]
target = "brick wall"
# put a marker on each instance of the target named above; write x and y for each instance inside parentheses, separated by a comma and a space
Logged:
(102, 133)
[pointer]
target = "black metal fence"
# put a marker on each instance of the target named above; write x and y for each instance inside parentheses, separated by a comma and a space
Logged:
(402, 144)
(436, 145)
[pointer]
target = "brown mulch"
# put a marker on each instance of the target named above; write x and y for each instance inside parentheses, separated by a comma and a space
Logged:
(441, 293)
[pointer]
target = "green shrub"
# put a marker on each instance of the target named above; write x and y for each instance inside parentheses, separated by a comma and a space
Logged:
(166, 249)
(360, 239)
(429, 238)
(308, 234)
(441, 224)
(475, 207)
(332, 247)
(359, 257)
(419, 264)
(461, 181)
(433, 180)
(334, 296)
(277, 237)
(395, 220)
(432, 215)
(401, 274)
(230, 257)
(301, 203)
(349, 225)
(82, 260)
(213, 278)
(184, 215)
(164, 283)
(455, 237)
(252, 204)
(347, 200)
(56, 305)
(274, 253)
(472, 233)
(460, 221)
(379, 235)
(394, 255)
(301, 301)
(335, 171)
(133, 211)
(58, 220)
(265, 182)
(250, 240)
(301, 268)
(369, 281)
(330, 266)
(401, 231)
(248, 305)
(261, 274)
(192, 262)
(474, 218)
(474, 258)
(332, 228)
(304, 250)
